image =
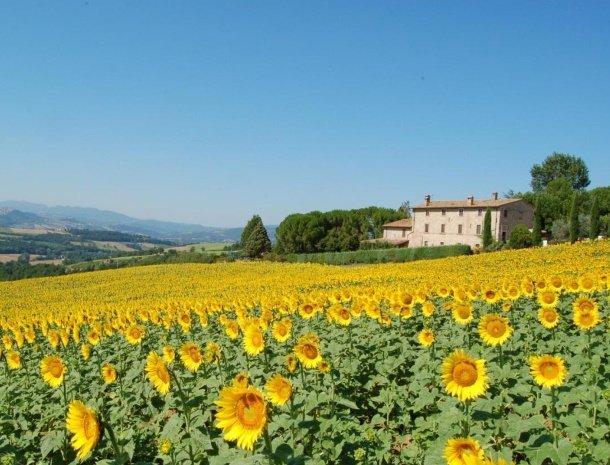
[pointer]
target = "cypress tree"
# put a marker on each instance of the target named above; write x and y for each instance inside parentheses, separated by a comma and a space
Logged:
(574, 219)
(250, 225)
(258, 242)
(487, 237)
(594, 219)
(537, 230)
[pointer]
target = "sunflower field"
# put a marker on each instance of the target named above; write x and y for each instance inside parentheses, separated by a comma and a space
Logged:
(491, 359)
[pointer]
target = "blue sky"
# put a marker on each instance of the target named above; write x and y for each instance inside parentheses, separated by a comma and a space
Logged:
(210, 112)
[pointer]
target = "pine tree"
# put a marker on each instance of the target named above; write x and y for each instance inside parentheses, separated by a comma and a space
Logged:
(594, 218)
(487, 237)
(258, 242)
(574, 219)
(537, 230)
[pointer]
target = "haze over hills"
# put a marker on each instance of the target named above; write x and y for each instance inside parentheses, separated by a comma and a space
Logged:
(20, 214)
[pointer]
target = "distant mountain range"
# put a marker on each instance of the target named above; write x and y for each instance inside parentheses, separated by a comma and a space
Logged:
(19, 214)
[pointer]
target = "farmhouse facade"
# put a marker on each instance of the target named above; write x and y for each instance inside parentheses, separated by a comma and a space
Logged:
(449, 222)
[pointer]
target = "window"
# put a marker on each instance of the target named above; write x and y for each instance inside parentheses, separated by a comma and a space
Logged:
(425, 243)
(480, 212)
(459, 229)
(442, 228)
(426, 227)
(443, 212)
(427, 212)
(442, 243)
(503, 236)
(461, 211)
(478, 229)
(404, 233)
(505, 213)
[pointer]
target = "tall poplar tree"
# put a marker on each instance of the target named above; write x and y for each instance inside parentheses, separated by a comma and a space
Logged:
(537, 230)
(574, 218)
(487, 237)
(594, 219)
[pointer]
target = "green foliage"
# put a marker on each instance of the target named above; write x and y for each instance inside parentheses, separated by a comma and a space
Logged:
(559, 165)
(381, 255)
(574, 218)
(594, 227)
(258, 242)
(520, 237)
(21, 270)
(537, 231)
(337, 230)
(487, 237)
(250, 225)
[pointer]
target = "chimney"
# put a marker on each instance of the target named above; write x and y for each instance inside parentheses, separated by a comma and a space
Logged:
(470, 200)
(494, 195)
(427, 200)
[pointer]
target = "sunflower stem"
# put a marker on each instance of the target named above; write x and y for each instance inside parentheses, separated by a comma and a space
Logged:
(187, 414)
(268, 446)
(113, 441)
(553, 415)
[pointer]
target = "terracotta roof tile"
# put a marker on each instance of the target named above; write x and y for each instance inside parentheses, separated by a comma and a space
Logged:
(464, 203)
(404, 223)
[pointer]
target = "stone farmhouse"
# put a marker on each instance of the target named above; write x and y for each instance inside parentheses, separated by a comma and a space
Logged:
(448, 222)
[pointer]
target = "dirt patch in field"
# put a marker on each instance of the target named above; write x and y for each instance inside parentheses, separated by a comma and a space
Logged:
(9, 257)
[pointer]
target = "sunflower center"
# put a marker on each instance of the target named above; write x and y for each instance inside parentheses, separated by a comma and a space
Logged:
(310, 352)
(56, 369)
(490, 294)
(195, 355)
(163, 374)
(463, 312)
(307, 309)
(585, 305)
(496, 328)
(344, 314)
(550, 317)
(250, 411)
(257, 339)
(466, 449)
(548, 298)
(89, 426)
(549, 370)
(135, 333)
(281, 330)
(586, 318)
(465, 374)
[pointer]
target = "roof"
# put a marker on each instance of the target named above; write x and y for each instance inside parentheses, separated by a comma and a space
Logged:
(404, 223)
(464, 204)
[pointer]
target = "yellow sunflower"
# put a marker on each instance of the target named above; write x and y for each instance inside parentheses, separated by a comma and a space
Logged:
(169, 354)
(307, 351)
(587, 283)
(191, 356)
(494, 329)
(157, 373)
(464, 377)
(324, 366)
(307, 311)
(586, 313)
(548, 298)
(82, 422)
(490, 295)
(291, 362)
(343, 316)
(281, 330)
(109, 373)
(462, 313)
(242, 415)
(458, 450)
(406, 312)
(85, 350)
(241, 380)
(426, 337)
(548, 370)
(548, 317)
(93, 336)
(13, 360)
(428, 309)
(52, 370)
(232, 329)
(278, 389)
(213, 352)
(135, 334)
(254, 341)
